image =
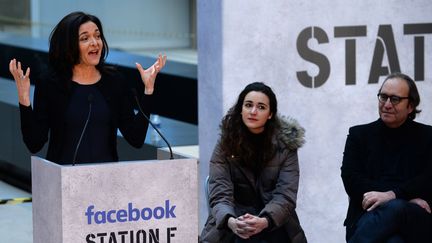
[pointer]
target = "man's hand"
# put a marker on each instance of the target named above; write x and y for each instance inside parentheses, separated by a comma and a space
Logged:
(422, 203)
(373, 199)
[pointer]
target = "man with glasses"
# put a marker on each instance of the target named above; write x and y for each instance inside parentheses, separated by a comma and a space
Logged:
(386, 170)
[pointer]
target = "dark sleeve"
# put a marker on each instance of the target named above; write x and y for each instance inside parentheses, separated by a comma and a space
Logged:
(355, 175)
(421, 185)
(134, 126)
(221, 189)
(269, 221)
(34, 122)
(418, 187)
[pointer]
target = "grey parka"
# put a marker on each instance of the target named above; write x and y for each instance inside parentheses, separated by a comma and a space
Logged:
(276, 187)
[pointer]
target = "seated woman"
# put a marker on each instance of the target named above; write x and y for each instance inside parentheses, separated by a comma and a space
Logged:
(254, 173)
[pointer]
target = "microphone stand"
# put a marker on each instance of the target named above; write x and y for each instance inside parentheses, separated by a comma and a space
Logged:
(151, 123)
(90, 99)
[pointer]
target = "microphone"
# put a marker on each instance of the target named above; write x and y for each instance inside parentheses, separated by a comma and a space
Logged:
(90, 99)
(150, 122)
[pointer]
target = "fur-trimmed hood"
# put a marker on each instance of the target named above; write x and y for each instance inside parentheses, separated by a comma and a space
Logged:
(290, 133)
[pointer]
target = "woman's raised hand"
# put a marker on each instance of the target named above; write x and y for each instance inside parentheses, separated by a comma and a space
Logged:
(148, 75)
(22, 81)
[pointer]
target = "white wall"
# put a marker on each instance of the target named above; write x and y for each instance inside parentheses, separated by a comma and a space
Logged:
(210, 87)
(257, 41)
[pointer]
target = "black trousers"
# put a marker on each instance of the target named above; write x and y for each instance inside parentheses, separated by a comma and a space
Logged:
(275, 236)
(396, 221)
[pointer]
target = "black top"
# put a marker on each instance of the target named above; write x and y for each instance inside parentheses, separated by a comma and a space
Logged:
(52, 117)
(257, 144)
(379, 158)
(87, 105)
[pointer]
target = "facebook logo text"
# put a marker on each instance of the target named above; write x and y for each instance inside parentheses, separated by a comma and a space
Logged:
(130, 214)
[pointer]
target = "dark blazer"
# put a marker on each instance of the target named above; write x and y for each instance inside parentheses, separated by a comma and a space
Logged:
(51, 98)
(379, 158)
(232, 186)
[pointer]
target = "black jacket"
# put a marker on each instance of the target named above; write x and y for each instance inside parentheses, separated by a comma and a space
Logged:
(379, 158)
(51, 98)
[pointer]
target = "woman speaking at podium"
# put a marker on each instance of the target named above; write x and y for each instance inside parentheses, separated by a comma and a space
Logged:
(80, 102)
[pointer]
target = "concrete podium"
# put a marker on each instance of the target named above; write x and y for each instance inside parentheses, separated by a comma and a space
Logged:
(135, 201)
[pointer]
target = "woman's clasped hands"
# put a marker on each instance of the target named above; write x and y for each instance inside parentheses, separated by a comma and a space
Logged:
(247, 225)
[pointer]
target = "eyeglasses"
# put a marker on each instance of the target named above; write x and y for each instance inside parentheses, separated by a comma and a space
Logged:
(393, 98)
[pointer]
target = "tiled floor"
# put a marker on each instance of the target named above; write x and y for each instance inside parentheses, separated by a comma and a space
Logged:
(15, 219)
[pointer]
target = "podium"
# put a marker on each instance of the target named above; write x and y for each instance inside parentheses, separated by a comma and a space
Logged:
(120, 202)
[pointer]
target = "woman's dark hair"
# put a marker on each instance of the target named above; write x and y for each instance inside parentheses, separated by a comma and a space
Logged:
(413, 94)
(235, 134)
(64, 51)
